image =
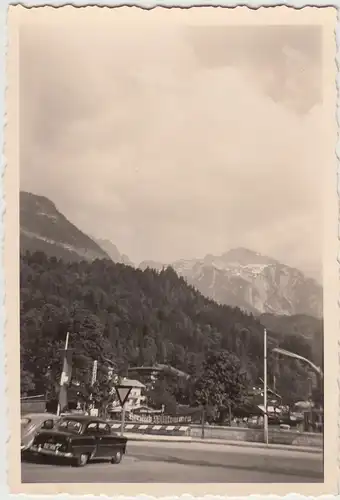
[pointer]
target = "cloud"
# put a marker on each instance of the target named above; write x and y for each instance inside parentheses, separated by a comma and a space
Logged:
(137, 139)
(282, 61)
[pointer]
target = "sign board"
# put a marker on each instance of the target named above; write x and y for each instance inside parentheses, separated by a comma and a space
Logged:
(94, 412)
(123, 392)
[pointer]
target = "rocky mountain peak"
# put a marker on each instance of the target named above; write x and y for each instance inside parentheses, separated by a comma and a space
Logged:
(40, 205)
(254, 282)
(243, 256)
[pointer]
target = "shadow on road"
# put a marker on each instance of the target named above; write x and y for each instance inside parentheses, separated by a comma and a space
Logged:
(315, 476)
(47, 460)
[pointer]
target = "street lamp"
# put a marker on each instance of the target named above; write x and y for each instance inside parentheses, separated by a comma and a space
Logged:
(316, 369)
(289, 354)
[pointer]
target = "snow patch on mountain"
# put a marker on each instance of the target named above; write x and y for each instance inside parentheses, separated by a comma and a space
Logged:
(254, 282)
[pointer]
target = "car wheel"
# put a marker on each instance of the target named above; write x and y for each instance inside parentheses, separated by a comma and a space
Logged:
(117, 457)
(81, 460)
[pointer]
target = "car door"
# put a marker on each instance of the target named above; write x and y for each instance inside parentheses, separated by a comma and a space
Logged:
(106, 443)
(91, 432)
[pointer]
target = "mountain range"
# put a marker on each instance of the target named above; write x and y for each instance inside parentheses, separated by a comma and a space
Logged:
(239, 277)
(113, 252)
(246, 279)
(256, 283)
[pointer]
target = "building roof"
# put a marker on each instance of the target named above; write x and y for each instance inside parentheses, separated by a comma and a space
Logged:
(132, 383)
(159, 368)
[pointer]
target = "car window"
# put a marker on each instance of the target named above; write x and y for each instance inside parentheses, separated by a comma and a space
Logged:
(104, 428)
(91, 428)
(48, 424)
(70, 426)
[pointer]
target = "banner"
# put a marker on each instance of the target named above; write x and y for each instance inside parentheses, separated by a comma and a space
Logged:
(65, 379)
(159, 419)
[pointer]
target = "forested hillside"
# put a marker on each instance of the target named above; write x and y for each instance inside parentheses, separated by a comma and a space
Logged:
(134, 317)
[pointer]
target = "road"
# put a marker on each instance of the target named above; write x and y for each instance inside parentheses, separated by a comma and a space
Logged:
(155, 462)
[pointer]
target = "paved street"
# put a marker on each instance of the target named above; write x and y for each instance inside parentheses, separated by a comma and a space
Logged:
(189, 463)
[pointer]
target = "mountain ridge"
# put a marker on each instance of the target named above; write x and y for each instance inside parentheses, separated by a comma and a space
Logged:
(43, 227)
(252, 281)
(113, 252)
(238, 277)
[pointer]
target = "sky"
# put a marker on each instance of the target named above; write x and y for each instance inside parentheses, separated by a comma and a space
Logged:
(177, 141)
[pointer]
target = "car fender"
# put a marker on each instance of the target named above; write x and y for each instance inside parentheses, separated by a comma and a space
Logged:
(77, 446)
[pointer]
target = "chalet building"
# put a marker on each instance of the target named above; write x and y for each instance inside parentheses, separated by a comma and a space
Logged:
(136, 398)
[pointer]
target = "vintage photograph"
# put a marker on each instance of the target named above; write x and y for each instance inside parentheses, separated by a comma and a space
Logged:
(172, 178)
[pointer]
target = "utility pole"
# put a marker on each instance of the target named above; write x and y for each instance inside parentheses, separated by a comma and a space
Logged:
(310, 400)
(265, 423)
(93, 379)
(203, 421)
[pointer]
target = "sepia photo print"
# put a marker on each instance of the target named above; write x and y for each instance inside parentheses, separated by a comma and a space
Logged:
(171, 247)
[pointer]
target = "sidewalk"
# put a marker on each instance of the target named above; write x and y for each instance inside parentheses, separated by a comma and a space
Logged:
(185, 439)
(286, 447)
(134, 436)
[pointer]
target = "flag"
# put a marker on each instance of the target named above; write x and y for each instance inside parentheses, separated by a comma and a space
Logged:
(65, 378)
(94, 372)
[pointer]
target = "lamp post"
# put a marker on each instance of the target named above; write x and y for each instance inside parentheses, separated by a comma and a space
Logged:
(265, 423)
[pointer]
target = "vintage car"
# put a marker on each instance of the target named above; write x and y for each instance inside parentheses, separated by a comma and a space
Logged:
(33, 423)
(79, 439)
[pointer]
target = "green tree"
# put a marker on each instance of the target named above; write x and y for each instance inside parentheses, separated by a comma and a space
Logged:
(318, 396)
(222, 384)
(292, 382)
(101, 394)
(26, 382)
(162, 393)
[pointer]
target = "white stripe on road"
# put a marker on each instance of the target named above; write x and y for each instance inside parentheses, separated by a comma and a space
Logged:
(170, 428)
(143, 427)
(183, 428)
(156, 427)
(129, 426)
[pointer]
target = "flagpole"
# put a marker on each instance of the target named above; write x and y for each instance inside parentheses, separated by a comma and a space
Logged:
(61, 376)
(66, 341)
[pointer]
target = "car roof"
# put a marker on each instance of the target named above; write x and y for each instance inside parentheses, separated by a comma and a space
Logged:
(43, 414)
(36, 416)
(83, 418)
